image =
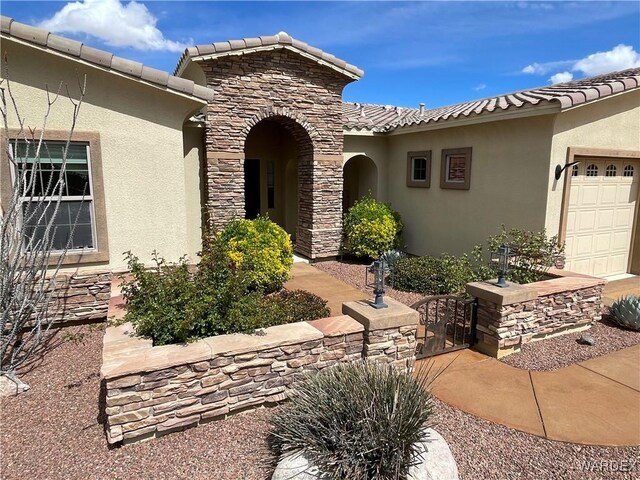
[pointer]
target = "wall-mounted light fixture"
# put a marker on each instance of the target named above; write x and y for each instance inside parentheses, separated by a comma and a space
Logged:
(560, 169)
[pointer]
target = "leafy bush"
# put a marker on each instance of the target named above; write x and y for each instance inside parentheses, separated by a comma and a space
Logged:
(163, 302)
(292, 306)
(434, 275)
(626, 312)
(371, 227)
(359, 421)
(260, 249)
(533, 252)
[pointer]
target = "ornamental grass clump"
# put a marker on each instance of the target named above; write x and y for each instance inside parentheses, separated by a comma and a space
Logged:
(361, 421)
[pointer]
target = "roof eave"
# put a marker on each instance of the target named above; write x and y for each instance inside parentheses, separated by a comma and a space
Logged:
(212, 56)
(102, 68)
(495, 116)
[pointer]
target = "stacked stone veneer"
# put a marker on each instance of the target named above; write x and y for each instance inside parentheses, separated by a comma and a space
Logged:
(151, 391)
(510, 317)
(389, 333)
(304, 97)
(81, 297)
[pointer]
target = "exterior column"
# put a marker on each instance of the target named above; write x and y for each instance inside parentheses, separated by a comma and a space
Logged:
(224, 187)
(320, 206)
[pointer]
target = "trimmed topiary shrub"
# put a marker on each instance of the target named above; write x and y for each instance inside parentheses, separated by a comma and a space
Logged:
(372, 227)
(260, 249)
(433, 275)
(626, 312)
(357, 421)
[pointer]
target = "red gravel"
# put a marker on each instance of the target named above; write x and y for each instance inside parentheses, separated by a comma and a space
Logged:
(54, 431)
(562, 351)
(352, 273)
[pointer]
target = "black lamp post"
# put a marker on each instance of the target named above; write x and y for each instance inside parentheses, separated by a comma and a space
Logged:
(501, 258)
(378, 283)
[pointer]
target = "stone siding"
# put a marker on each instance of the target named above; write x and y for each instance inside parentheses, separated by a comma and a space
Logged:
(304, 97)
(524, 313)
(151, 391)
(392, 345)
(81, 297)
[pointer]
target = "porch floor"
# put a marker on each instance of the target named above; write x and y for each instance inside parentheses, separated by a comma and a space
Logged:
(596, 402)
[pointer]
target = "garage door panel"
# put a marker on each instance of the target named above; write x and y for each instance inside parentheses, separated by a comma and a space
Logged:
(600, 217)
(604, 218)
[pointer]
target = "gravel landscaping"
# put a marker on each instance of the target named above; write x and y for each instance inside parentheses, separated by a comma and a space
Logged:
(55, 431)
(549, 354)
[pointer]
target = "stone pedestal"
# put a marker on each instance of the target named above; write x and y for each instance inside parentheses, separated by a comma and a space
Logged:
(389, 333)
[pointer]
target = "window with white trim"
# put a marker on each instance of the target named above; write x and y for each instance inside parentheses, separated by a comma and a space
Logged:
(628, 171)
(73, 221)
(610, 171)
(575, 170)
(592, 170)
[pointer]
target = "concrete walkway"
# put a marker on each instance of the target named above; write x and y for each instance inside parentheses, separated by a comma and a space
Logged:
(619, 288)
(596, 402)
(306, 277)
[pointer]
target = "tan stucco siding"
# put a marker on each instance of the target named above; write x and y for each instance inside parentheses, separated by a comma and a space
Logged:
(150, 190)
(613, 123)
(509, 171)
(374, 147)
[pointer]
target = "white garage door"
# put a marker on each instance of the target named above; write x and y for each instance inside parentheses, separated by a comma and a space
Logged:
(602, 202)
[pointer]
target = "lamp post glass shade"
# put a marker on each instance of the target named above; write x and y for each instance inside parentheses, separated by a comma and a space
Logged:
(501, 258)
(378, 283)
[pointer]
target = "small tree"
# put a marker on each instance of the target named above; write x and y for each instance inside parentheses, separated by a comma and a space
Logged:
(28, 270)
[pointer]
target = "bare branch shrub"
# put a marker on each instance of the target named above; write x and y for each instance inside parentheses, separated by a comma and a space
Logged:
(29, 259)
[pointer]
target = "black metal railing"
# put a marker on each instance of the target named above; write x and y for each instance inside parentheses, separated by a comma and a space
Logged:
(447, 323)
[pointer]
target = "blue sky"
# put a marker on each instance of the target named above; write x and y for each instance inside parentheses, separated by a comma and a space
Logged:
(438, 53)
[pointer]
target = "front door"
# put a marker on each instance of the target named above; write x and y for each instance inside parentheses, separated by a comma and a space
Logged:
(251, 188)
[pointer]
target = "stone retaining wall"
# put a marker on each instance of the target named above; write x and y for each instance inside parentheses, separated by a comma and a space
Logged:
(81, 297)
(151, 391)
(518, 314)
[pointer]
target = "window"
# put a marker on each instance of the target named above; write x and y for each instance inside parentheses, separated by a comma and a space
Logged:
(610, 171)
(455, 169)
(574, 171)
(47, 178)
(81, 189)
(419, 169)
(592, 170)
(628, 171)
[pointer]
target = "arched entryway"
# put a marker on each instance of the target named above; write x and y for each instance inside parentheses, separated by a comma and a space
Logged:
(360, 179)
(278, 164)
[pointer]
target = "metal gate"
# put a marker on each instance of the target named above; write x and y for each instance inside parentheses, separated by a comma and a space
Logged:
(447, 323)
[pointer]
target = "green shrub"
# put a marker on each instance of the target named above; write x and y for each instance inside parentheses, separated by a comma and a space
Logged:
(292, 306)
(372, 227)
(357, 421)
(534, 253)
(434, 275)
(260, 249)
(626, 312)
(163, 302)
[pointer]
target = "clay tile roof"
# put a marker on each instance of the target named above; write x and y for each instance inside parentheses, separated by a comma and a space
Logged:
(382, 118)
(280, 40)
(77, 50)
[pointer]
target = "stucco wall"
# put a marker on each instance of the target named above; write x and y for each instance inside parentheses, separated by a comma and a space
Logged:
(150, 190)
(509, 169)
(613, 123)
(374, 147)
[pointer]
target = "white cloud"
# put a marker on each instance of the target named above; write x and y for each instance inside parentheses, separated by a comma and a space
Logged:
(115, 23)
(561, 77)
(620, 57)
(480, 86)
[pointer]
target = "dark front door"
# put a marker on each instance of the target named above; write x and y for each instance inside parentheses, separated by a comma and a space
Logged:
(251, 188)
